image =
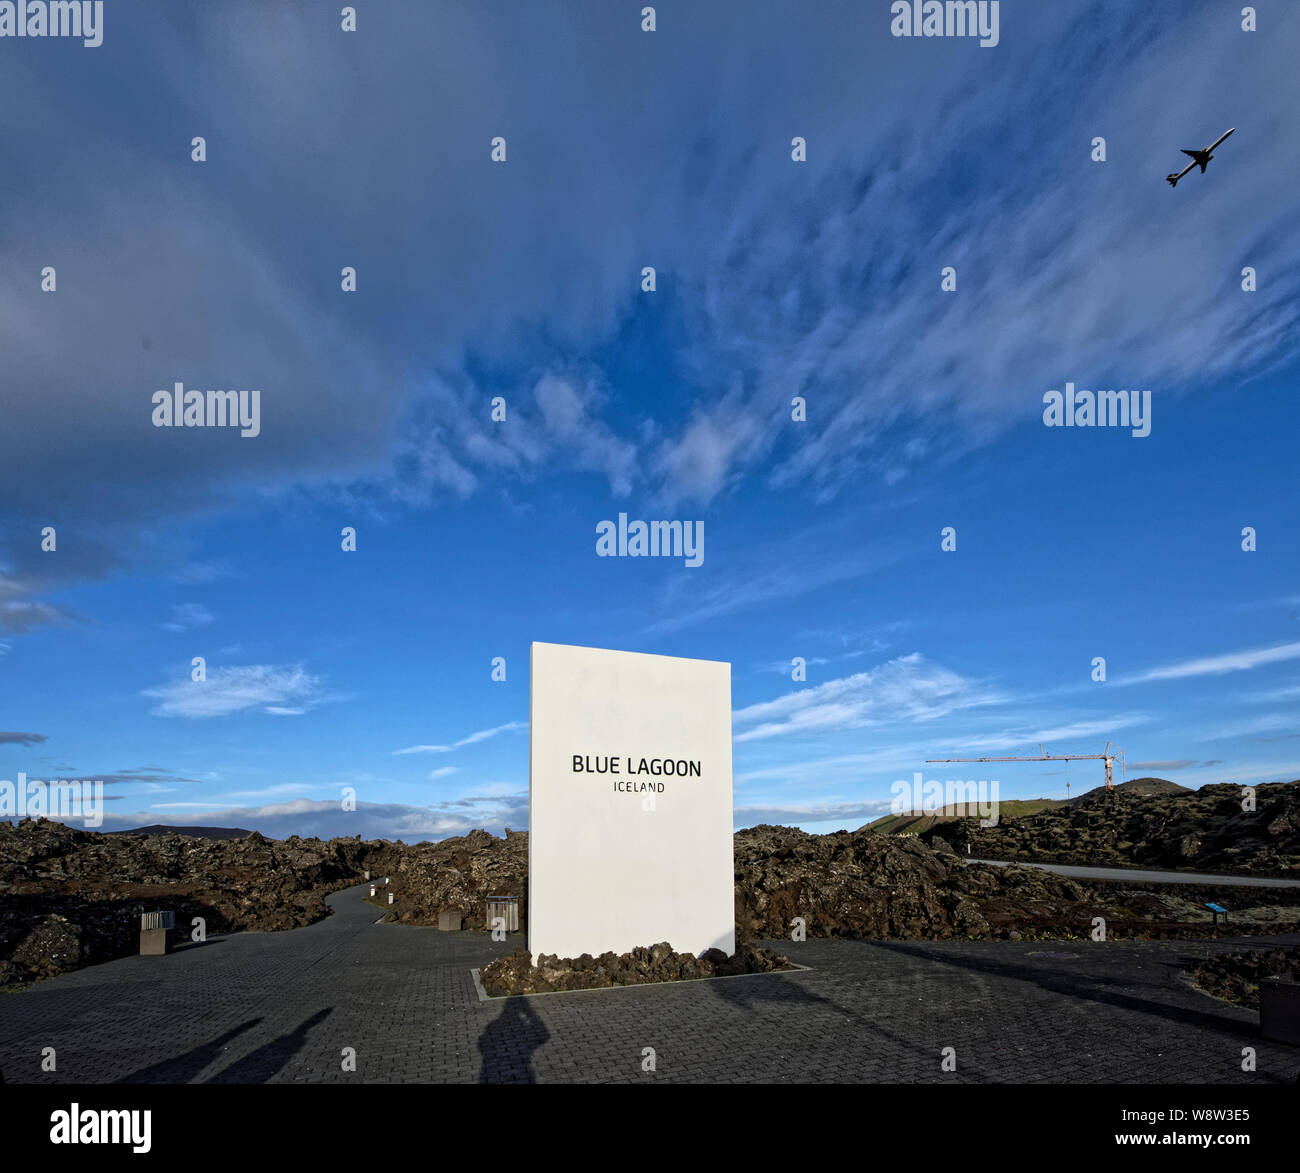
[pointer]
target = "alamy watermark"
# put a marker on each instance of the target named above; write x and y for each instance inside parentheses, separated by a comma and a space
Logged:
(54, 18)
(946, 18)
(1098, 409)
(120, 1126)
(970, 799)
(179, 408)
(62, 799)
(651, 539)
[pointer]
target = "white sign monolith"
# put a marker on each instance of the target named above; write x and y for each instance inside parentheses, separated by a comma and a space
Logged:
(630, 821)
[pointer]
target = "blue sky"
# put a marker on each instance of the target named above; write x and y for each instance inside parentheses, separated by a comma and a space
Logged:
(522, 280)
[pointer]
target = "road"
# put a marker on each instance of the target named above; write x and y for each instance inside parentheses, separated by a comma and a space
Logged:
(1145, 876)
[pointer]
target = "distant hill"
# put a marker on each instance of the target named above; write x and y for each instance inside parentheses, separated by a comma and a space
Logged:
(1138, 786)
(193, 832)
(914, 822)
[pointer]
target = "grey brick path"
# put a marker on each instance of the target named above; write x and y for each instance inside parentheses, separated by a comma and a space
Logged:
(280, 1007)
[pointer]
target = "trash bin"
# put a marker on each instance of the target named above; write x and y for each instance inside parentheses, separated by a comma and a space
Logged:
(157, 930)
(505, 907)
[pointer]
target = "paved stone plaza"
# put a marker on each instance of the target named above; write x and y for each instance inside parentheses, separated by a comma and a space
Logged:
(281, 1007)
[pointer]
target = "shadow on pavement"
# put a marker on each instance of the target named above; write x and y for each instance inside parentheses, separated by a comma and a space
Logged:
(184, 1068)
(508, 1043)
(1092, 987)
(757, 993)
(749, 991)
(260, 1065)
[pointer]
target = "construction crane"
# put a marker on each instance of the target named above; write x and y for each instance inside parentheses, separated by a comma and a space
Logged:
(1109, 756)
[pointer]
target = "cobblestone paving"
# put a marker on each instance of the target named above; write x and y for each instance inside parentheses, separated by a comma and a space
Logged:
(281, 1007)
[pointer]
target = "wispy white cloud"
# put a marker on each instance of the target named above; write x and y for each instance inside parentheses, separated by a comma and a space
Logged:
(1286, 692)
(473, 738)
(781, 570)
(280, 691)
(278, 790)
(150, 776)
(1262, 723)
(186, 616)
(851, 768)
(449, 445)
(202, 573)
(484, 734)
(785, 667)
(21, 611)
(697, 465)
(907, 689)
(1217, 665)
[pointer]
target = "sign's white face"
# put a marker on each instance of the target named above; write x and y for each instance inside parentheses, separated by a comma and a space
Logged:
(629, 793)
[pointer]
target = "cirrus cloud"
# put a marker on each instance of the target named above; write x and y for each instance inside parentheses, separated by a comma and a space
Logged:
(908, 688)
(279, 691)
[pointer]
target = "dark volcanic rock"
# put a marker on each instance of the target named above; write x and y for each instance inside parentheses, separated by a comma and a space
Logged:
(70, 898)
(459, 875)
(100, 883)
(860, 884)
(52, 946)
(1201, 830)
(516, 973)
(192, 832)
(1235, 977)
